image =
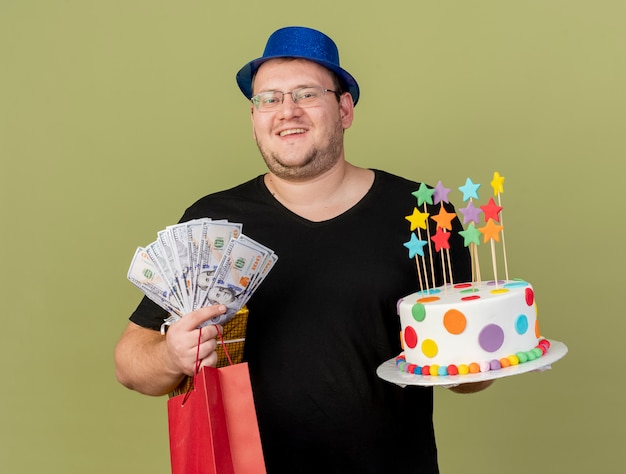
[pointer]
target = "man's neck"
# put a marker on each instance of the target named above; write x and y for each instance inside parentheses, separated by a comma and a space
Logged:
(323, 197)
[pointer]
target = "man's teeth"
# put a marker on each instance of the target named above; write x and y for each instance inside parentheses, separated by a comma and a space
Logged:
(292, 131)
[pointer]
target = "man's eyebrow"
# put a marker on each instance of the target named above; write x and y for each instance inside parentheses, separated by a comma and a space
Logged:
(302, 86)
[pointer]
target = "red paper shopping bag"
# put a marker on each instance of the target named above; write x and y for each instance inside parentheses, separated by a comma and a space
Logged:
(213, 428)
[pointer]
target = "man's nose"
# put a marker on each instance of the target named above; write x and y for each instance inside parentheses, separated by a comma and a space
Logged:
(289, 107)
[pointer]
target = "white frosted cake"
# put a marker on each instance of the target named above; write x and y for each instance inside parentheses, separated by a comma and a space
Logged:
(469, 328)
(464, 328)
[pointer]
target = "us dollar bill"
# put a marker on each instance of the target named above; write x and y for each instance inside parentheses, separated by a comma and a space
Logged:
(216, 236)
(242, 261)
(199, 263)
(145, 276)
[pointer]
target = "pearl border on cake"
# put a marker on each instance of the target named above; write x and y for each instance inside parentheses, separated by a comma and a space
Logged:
(474, 367)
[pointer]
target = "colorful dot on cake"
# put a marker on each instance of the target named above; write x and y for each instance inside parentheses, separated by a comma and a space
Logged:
(428, 299)
(419, 312)
(474, 368)
(434, 369)
(521, 324)
(453, 369)
(505, 362)
(485, 366)
(429, 291)
(491, 338)
(530, 296)
(429, 348)
(469, 290)
(522, 357)
(537, 332)
(463, 369)
(513, 359)
(494, 364)
(454, 321)
(470, 298)
(410, 337)
(516, 284)
(499, 291)
(426, 370)
(463, 285)
(442, 371)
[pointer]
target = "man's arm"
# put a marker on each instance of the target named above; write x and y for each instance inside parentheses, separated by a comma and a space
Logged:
(154, 364)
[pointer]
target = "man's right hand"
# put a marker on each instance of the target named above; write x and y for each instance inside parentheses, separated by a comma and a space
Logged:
(183, 337)
(153, 364)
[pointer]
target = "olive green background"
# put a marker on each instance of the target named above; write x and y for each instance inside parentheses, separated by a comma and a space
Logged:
(116, 115)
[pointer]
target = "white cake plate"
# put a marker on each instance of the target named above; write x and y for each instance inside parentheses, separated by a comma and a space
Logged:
(391, 373)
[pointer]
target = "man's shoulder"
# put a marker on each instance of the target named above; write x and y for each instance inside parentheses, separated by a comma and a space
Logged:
(394, 181)
(237, 190)
(220, 203)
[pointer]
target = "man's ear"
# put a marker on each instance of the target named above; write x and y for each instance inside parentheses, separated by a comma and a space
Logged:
(252, 120)
(346, 109)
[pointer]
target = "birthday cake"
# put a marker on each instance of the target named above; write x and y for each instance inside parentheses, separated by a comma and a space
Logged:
(469, 327)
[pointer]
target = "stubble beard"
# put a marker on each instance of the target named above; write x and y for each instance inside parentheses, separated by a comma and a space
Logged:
(314, 163)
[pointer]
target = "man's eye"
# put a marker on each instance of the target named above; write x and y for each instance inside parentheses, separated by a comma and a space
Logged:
(270, 100)
(306, 95)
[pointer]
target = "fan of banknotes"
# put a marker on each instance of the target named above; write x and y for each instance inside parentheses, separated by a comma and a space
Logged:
(201, 263)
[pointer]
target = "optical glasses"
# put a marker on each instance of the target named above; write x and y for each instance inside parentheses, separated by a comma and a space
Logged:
(303, 97)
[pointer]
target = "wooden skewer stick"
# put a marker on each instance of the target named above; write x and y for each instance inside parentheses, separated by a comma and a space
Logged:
(419, 273)
(419, 233)
(449, 267)
(506, 267)
(430, 252)
(493, 261)
(477, 263)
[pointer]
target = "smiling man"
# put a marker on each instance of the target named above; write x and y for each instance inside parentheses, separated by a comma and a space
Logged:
(300, 135)
(300, 132)
(325, 318)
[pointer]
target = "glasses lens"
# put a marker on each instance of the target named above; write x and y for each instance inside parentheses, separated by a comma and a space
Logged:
(267, 100)
(307, 95)
(304, 97)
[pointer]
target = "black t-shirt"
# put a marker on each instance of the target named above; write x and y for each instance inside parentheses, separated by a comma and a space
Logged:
(322, 322)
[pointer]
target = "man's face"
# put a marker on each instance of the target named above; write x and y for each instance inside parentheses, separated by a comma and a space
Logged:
(300, 143)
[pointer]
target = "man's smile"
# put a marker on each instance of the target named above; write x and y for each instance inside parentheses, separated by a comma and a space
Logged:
(291, 131)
